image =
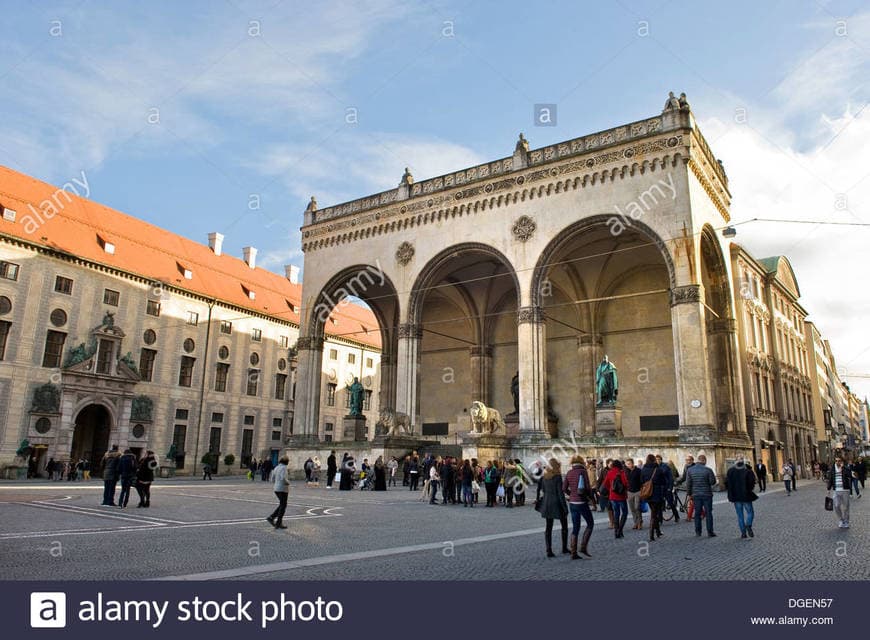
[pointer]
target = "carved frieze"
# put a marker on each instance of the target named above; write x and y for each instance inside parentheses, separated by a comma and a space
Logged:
(481, 351)
(685, 295)
(410, 330)
(309, 343)
(404, 253)
(530, 315)
(523, 229)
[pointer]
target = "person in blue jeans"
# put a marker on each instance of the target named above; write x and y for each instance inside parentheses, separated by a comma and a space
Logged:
(740, 482)
(579, 491)
(700, 481)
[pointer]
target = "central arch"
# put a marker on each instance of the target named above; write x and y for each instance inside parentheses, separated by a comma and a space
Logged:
(463, 309)
(93, 426)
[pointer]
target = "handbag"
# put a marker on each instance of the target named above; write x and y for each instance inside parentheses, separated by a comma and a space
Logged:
(829, 503)
(646, 489)
(475, 486)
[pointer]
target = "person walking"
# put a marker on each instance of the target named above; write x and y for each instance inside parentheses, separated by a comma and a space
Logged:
(127, 473)
(331, 469)
(794, 474)
(633, 473)
(110, 475)
(406, 471)
(854, 478)
(434, 480)
(380, 475)
(447, 478)
(739, 483)
(651, 472)
(144, 478)
(603, 492)
(579, 492)
(49, 468)
(308, 467)
(553, 505)
(414, 473)
(206, 471)
(392, 468)
(490, 482)
(680, 482)
(252, 468)
(281, 486)
(840, 486)
(616, 483)
(861, 469)
(787, 477)
(670, 503)
(699, 483)
(761, 474)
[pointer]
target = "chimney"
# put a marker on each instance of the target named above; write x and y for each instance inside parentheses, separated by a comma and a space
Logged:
(215, 242)
(292, 273)
(250, 255)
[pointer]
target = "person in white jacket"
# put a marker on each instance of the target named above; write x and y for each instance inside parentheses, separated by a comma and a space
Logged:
(282, 490)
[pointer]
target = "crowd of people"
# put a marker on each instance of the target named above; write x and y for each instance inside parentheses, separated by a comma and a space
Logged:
(124, 467)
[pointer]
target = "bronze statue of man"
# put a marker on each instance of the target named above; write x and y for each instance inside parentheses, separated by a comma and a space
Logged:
(606, 382)
(515, 391)
(357, 393)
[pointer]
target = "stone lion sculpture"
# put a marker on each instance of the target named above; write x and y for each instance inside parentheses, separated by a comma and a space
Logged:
(485, 419)
(391, 422)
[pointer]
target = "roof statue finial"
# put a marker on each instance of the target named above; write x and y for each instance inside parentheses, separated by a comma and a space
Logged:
(522, 144)
(407, 178)
(672, 103)
(312, 205)
(684, 104)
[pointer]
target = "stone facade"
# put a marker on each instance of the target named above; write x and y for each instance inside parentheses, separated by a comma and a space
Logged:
(539, 264)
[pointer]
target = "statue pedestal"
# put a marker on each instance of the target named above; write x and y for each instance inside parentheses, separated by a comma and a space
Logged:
(608, 420)
(355, 428)
(512, 423)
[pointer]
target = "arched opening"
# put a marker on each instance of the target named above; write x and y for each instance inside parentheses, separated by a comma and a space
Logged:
(340, 306)
(91, 436)
(605, 292)
(465, 305)
(720, 328)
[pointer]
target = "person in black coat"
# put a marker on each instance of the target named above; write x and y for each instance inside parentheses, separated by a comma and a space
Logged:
(144, 478)
(331, 469)
(740, 482)
(347, 471)
(761, 473)
(380, 475)
(651, 471)
(553, 505)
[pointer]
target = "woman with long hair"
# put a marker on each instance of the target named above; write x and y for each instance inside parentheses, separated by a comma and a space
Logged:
(553, 505)
(651, 471)
(616, 482)
(579, 491)
(467, 475)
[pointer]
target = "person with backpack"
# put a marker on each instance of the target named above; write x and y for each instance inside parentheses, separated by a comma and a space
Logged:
(616, 484)
(740, 482)
(579, 491)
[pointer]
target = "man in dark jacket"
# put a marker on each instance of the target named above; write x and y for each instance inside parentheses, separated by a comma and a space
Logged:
(761, 472)
(127, 472)
(665, 470)
(740, 481)
(331, 469)
(839, 483)
(110, 476)
(700, 481)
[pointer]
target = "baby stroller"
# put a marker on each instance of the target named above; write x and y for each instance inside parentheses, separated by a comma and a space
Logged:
(366, 480)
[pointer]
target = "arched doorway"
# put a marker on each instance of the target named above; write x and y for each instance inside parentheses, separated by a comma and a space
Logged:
(464, 306)
(91, 436)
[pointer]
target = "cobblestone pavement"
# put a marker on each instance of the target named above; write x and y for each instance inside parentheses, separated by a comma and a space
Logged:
(216, 530)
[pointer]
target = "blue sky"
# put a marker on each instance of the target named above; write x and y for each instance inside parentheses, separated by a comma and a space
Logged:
(253, 99)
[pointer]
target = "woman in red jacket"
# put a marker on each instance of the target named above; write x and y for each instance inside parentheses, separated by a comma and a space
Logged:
(616, 483)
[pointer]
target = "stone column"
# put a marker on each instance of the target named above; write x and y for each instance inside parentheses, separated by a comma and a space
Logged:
(694, 396)
(723, 332)
(387, 391)
(589, 350)
(481, 371)
(532, 358)
(306, 415)
(407, 370)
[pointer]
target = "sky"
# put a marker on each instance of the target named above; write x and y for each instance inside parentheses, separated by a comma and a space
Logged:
(227, 115)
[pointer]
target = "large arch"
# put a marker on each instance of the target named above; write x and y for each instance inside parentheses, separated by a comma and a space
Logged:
(461, 325)
(92, 431)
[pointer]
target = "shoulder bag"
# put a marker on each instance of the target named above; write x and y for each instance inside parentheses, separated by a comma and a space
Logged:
(646, 489)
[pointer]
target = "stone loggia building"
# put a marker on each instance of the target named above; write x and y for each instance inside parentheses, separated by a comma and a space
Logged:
(113, 331)
(537, 265)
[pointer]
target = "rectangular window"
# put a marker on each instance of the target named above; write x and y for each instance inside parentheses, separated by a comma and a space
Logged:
(146, 364)
(217, 417)
(63, 285)
(285, 342)
(222, 373)
(367, 401)
(8, 270)
(333, 354)
(249, 420)
(181, 414)
(253, 382)
(178, 439)
(276, 435)
(53, 349)
(214, 440)
(330, 394)
(111, 298)
(347, 399)
(276, 423)
(351, 358)
(4, 335)
(369, 363)
(104, 357)
(226, 327)
(280, 386)
(185, 371)
(192, 318)
(247, 446)
(152, 308)
(257, 335)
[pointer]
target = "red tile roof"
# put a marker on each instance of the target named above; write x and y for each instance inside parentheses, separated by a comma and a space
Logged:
(82, 227)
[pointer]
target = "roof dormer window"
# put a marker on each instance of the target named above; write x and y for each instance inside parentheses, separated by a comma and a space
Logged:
(187, 273)
(8, 214)
(252, 295)
(105, 245)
